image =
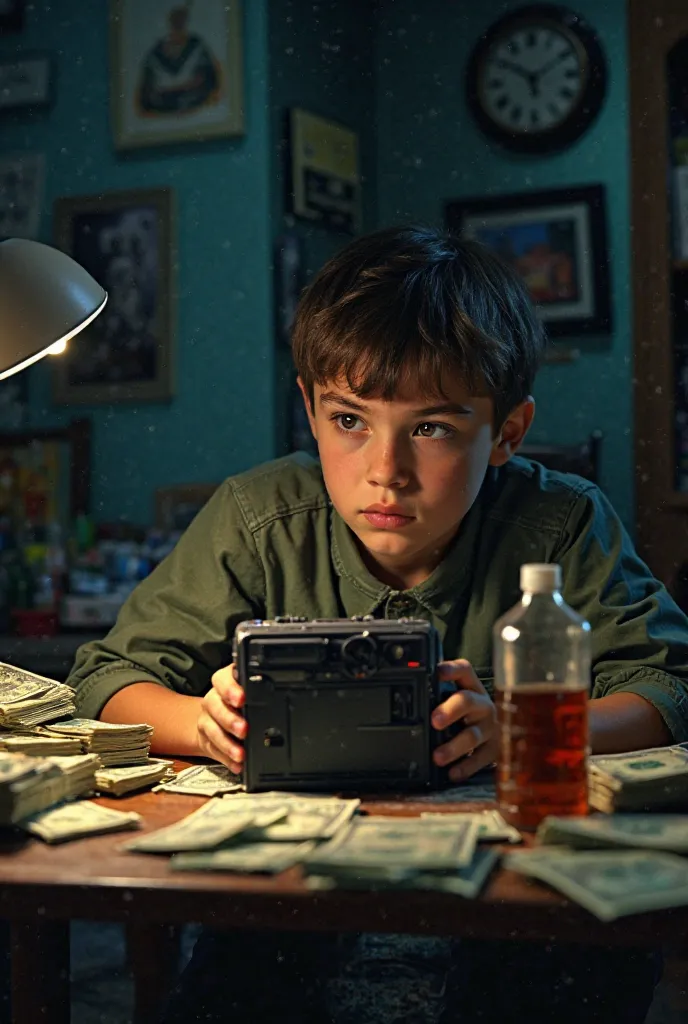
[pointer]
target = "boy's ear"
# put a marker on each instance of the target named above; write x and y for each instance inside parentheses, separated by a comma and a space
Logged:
(309, 408)
(512, 432)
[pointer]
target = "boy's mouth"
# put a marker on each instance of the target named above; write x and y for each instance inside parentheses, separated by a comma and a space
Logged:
(389, 517)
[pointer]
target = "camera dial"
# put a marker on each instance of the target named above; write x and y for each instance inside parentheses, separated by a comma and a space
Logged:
(359, 655)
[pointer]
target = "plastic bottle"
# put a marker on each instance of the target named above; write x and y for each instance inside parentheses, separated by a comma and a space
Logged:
(542, 681)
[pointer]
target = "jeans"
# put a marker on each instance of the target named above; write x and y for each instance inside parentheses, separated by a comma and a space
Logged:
(289, 977)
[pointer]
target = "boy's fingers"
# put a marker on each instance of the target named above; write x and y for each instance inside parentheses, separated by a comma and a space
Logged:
(218, 739)
(217, 755)
(455, 707)
(225, 684)
(470, 765)
(462, 672)
(226, 719)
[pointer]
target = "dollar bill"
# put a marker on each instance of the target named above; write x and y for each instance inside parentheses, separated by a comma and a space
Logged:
(610, 884)
(639, 780)
(78, 819)
(409, 844)
(38, 746)
(640, 831)
(206, 828)
(308, 817)
(129, 778)
(28, 699)
(267, 858)
(203, 780)
(491, 825)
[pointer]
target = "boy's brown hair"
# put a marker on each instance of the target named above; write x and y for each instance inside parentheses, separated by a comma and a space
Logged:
(418, 300)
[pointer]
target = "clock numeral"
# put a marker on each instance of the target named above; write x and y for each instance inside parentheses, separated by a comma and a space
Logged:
(515, 113)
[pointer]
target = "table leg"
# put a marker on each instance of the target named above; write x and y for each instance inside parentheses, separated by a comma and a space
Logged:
(153, 955)
(40, 972)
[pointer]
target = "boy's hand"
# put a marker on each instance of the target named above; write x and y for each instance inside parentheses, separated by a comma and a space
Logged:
(218, 723)
(477, 742)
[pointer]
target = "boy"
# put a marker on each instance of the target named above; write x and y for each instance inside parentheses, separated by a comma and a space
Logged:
(416, 356)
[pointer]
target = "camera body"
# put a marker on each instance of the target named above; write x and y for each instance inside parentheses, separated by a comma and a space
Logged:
(339, 704)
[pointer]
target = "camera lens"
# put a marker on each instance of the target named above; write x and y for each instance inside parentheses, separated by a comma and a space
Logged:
(359, 654)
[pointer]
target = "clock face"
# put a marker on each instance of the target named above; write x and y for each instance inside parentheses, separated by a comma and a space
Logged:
(537, 78)
(533, 79)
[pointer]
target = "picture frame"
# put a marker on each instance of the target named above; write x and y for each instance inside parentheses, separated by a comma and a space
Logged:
(557, 240)
(22, 185)
(12, 15)
(176, 71)
(26, 81)
(323, 179)
(126, 240)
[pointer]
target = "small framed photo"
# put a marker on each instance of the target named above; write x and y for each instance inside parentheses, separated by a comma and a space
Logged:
(26, 81)
(126, 241)
(557, 240)
(22, 177)
(325, 184)
(12, 15)
(176, 71)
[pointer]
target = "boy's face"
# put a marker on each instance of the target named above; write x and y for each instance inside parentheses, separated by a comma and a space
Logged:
(403, 473)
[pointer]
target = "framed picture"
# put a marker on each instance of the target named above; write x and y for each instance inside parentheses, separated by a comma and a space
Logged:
(126, 241)
(557, 240)
(324, 179)
(26, 81)
(11, 15)
(176, 71)
(22, 178)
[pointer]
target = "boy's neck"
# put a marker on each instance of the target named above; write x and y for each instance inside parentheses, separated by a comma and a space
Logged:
(400, 577)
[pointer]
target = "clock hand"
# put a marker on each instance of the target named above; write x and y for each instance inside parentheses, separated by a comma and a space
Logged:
(552, 64)
(508, 66)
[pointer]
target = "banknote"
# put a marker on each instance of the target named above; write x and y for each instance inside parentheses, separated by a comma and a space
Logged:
(610, 884)
(203, 780)
(27, 699)
(308, 817)
(268, 858)
(77, 819)
(640, 831)
(491, 825)
(128, 778)
(639, 780)
(214, 823)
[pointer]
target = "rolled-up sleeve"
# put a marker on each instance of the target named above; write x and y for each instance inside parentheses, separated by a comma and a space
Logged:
(639, 634)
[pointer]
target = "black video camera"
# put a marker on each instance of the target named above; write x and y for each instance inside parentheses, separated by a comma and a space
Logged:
(339, 704)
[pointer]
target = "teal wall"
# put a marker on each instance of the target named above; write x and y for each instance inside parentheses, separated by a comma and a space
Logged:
(221, 419)
(325, 63)
(430, 150)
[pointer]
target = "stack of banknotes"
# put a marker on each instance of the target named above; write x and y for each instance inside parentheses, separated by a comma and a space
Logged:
(30, 784)
(27, 699)
(641, 780)
(115, 744)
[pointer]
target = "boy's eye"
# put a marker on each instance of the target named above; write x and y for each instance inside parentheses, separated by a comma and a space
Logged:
(346, 420)
(428, 430)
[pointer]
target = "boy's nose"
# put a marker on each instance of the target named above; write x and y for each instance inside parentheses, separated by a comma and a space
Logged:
(388, 467)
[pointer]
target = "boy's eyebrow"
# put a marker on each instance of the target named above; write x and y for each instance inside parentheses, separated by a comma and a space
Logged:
(330, 398)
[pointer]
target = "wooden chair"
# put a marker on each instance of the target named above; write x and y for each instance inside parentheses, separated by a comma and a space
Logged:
(582, 459)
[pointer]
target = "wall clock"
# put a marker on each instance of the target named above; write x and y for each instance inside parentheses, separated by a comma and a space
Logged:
(537, 78)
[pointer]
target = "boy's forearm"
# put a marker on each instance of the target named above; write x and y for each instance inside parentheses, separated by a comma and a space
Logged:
(625, 721)
(172, 715)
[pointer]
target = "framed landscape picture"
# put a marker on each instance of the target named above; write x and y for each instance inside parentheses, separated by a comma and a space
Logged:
(126, 241)
(324, 176)
(557, 241)
(176, 71)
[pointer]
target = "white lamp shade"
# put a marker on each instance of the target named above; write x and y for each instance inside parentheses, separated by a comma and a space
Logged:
(46, 298)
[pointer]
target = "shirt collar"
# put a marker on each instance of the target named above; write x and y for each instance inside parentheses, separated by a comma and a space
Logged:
(363, 594)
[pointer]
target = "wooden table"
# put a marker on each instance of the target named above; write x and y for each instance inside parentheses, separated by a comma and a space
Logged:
(43, 887)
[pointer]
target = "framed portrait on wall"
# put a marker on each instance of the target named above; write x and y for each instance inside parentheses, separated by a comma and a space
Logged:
(176, 71)
(557, 240)
(126, 241)
(324, 177)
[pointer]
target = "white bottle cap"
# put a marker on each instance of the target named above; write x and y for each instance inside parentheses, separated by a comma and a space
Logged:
(541, 578)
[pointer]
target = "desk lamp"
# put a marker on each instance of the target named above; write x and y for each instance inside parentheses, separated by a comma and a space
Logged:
(45, 299)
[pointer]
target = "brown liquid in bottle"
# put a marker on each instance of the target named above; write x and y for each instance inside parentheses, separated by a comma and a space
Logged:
(543, 733)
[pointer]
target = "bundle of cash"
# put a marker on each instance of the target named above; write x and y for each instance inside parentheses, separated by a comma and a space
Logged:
(639, 780)
(266, 858)
(27, 699)
(38, 744)
(307, 817)
(203, 780)
(30, 784)
(393, 851)
(214, 823)
(78, 819)
(113, 742)
(639, 831)
(128, 778)
(609, 883)
(492, 828)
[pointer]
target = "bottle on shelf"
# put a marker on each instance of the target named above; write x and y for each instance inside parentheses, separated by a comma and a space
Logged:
(542, 681)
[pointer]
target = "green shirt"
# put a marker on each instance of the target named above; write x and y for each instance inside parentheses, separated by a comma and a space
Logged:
(269, 542)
